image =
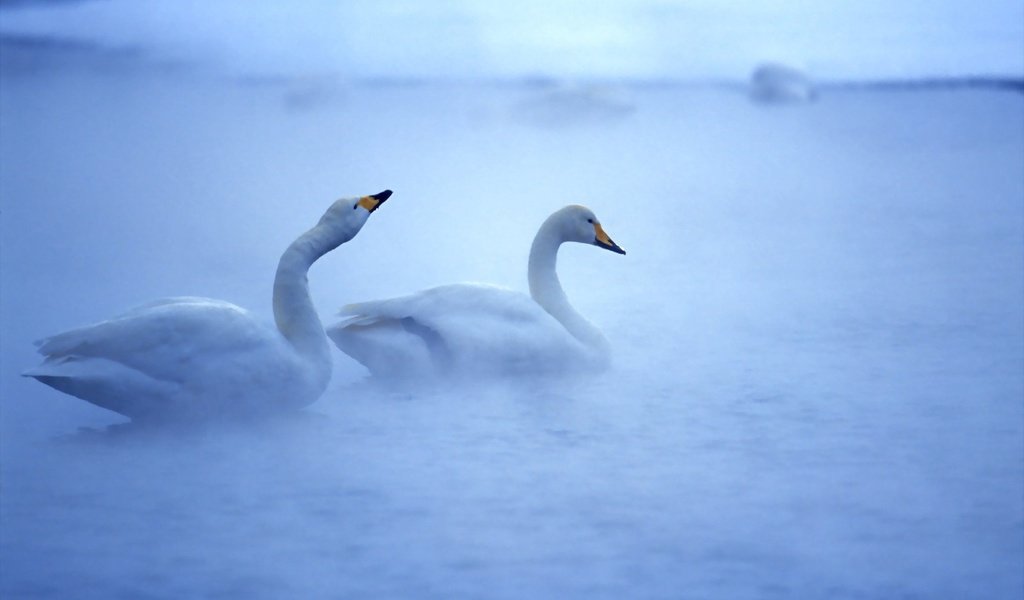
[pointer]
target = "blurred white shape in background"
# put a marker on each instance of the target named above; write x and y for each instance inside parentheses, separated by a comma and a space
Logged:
(566, 104)
(776, 83)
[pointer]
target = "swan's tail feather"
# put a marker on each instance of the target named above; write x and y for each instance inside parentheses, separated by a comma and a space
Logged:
(365, 314)
(350, 309)
(106, 383)
(52, 366)
(64, 344)
(381, 345)
(356, 321)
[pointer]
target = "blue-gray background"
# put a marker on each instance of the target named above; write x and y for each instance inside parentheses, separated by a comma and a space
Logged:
(818, 327)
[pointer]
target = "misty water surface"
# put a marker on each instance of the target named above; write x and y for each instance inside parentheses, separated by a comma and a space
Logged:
(817, 328)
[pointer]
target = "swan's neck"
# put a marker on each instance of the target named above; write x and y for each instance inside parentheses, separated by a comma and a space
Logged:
(546, 289)
(294, 313)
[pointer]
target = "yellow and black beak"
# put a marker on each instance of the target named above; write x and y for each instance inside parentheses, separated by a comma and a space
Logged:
(602, 240)
(373, 202)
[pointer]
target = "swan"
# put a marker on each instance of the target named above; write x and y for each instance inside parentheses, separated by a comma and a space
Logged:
(189, 357)
(480, 329)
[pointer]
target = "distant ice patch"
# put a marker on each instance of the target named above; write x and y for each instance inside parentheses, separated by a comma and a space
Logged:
(775, 83)
(573, 104)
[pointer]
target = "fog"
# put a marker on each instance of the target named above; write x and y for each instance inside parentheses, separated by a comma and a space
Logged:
(817, 332)
(633, 39)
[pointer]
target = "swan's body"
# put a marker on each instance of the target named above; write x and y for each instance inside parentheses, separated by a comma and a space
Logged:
(476, 329)
(200, 358)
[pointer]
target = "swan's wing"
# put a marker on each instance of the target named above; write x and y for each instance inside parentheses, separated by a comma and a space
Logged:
(452, 307)
(160, 338)
(461, 325)
(62, 342)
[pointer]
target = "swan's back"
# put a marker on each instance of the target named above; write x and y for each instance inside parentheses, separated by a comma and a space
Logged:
(160, 337)
(181, 356)
(144, 326)
(463, 329)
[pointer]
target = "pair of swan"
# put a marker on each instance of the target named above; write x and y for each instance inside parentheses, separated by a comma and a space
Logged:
(193, 357)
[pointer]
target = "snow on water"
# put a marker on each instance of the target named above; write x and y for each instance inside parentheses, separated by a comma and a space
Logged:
(818, 332)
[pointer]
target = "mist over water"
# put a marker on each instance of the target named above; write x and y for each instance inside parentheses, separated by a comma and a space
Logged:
(572, 39)
(818, 333)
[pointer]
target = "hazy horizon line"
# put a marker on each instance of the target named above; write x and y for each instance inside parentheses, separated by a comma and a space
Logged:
(36, 53)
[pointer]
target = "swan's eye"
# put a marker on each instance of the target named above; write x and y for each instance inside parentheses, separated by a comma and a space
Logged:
(591, 221)
(355, 206)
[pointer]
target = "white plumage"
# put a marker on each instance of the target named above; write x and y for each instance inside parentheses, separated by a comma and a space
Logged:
(200, 358)
(478, 329)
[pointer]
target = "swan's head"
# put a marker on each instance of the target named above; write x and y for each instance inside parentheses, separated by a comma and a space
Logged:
(348, 215)
(579, 224)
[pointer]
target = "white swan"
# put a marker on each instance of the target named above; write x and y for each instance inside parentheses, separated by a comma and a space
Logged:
(201, 358)
(476, 329)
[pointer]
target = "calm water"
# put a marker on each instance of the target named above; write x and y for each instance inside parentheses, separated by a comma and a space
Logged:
(818, 333)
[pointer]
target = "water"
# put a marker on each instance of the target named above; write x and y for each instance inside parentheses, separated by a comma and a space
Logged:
(818, 334)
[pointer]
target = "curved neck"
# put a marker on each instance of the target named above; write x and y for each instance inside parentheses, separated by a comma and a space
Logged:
(294, 313)
(546, 289)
